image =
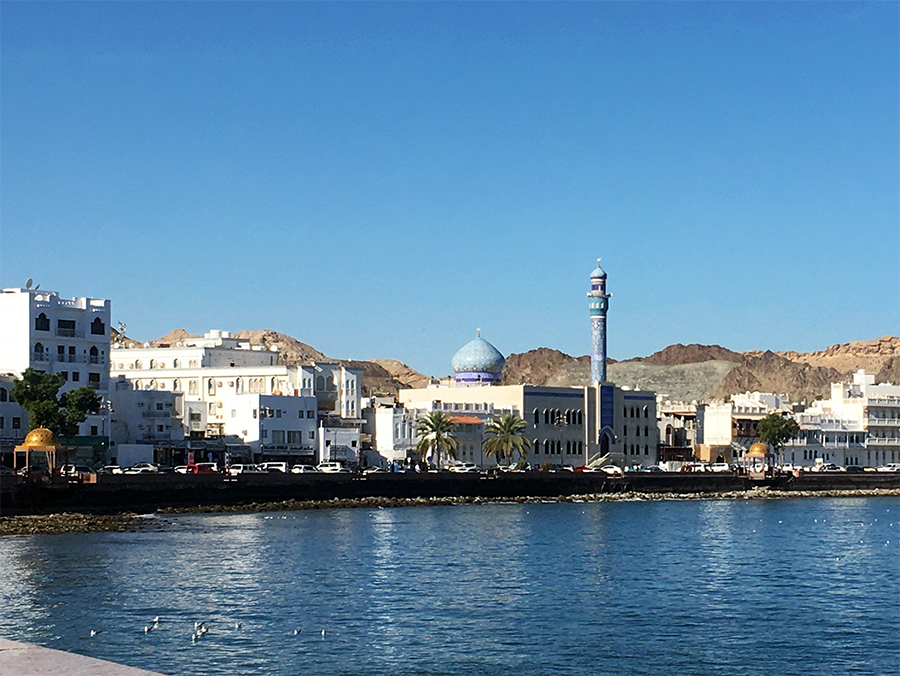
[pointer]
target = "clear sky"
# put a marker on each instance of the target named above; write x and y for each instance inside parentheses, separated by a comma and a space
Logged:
(380, 179)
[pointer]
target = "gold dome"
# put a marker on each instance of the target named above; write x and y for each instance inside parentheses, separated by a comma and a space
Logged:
(39, 436)
(759, 449)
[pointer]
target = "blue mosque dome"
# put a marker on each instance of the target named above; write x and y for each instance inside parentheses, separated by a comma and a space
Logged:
(478, 362)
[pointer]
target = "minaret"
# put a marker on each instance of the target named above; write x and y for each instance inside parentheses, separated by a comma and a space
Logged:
(597, 302)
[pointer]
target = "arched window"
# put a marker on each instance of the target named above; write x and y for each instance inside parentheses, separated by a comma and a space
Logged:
(151, 385)
(273, 385)
(646, 450)
(537, 417)
(632, 449)
(94, 355)
(97, 327)
(631, 412)
(546, 416)
(137, 364)
(238, 385)
(211, 386)
(536, 445)
(320, 383)
(624, 411)
(41, 323)
(546, 447)
(646, 431)
(646, 412)
(175, 363)
(39, 351)
(153, 363)
(176, 385)
(137, 385)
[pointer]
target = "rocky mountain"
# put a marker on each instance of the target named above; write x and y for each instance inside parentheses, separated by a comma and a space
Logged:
(698, 372)
(681, 372)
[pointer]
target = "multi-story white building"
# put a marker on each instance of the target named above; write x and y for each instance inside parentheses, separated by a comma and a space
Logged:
(858, 425)
(38, 329)
(142, 421)
(725, 431)
(225, 381)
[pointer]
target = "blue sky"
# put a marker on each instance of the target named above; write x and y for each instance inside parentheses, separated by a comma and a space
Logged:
(380, 179)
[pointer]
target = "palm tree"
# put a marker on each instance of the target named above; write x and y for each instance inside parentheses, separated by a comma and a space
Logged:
(506, 437)
(435, 432)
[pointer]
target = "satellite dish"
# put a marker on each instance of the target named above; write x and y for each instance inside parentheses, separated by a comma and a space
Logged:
(29, 283)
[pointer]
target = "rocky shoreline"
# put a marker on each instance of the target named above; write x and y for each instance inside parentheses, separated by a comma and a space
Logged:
(85, 523)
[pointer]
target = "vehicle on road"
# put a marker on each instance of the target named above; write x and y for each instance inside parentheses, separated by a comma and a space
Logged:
(890, 467)
(304, 469)
(234, 470)
(181, 469)
(282, 467)
(719, 467)
(465, 468)
(332, 468)
(142, 468)
(203, 468)
(73, 471)
(110, 469)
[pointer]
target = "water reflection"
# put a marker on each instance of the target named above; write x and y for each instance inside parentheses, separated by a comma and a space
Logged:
(606, 588)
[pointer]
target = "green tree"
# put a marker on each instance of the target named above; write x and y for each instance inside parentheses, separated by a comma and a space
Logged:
(38, 393)
(435, 432)
(776, 430)
(506, 437)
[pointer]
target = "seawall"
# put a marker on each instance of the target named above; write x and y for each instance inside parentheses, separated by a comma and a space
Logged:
(148, 492)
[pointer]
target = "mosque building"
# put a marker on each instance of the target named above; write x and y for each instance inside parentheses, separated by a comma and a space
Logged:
(564, 425)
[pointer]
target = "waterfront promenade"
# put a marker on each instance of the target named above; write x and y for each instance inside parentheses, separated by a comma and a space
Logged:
(21, 659)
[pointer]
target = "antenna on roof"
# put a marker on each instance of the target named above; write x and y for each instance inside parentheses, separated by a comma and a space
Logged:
(37, 287)
(29, 283)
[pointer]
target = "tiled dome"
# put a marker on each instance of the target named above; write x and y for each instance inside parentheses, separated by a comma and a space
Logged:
(478, 356)
(598, 273)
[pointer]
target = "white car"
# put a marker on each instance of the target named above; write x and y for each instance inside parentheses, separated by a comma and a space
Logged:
(890, 467)
(719, 467)
(332, 468)
(465, 468)
(275, 467)
(181, 469)
(304, 469)
(234, 470)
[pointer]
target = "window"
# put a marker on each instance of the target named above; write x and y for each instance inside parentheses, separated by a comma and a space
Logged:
(159, 428)
(234, 413)
(175, 364)
(64, 374)
(211, 386)
(60, 353)
(310, 414)
(192, 387)
(646, 412)
(72, 357)
(153, 363)
(176, 385)
(94, 355)
(195, 416)
(94, 430)
(159, 406)
(76, 376)
(39, 351)
(4, 394)
(2, 422)
(41, 323)
(312, 435)
(294, 437)
(97, 327)
(138, 364)
(65, 327)
(94, 378)
(16, 423)
(212, 408)
(277, 436)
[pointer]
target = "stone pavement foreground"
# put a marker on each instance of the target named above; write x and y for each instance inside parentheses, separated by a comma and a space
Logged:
(21, 659)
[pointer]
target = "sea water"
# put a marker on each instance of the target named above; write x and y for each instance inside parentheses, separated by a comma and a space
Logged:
(743, 587)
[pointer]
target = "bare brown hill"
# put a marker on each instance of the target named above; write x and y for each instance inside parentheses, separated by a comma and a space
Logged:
(691, 354)
(546, 366)
(406, 376)
(291, 350)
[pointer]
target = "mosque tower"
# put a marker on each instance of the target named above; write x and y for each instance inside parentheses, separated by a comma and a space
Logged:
(598, 300)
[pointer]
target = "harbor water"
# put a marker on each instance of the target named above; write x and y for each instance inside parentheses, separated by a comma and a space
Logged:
(742, 587)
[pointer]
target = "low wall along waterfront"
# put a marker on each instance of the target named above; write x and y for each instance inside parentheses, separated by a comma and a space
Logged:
(148, 492)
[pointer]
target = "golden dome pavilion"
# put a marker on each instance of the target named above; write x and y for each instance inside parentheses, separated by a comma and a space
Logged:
(39, 436)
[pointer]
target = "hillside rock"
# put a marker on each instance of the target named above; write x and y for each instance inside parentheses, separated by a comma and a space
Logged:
(545, 366)
(874, 356)
(291, 350)
(691, 354)
(403, 374)
(172, 338)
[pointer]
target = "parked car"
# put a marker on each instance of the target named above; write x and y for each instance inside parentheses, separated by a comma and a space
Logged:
(203, 468)
(139, 470)
(854, 469)
(719, 467)
(275, 467)
(655, 469)
(242, 468)
(890, 467)
(465, 468)
(304, 469)
(110, 469)
(148, 466)
(181, 469)
(73, 471)
(332, 468)
(375, 470)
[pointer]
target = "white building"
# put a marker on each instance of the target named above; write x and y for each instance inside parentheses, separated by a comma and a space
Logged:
(225, 381)
(858, 425)
(38, 329)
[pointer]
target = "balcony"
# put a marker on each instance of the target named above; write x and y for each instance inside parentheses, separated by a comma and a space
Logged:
(63, 332)
(883, 441)
(884, 422)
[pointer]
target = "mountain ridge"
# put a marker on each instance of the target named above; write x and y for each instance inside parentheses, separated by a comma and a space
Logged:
(693, 372)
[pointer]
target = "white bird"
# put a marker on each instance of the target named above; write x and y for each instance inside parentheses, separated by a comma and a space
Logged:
(94, 632)
(194, 637)
(323, 633)
(156, 620)
(147, 630)
(238, 625)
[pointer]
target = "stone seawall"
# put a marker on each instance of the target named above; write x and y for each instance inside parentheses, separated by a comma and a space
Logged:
(147, 492)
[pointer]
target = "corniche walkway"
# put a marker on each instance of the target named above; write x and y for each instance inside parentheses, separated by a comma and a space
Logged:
(21, 659)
